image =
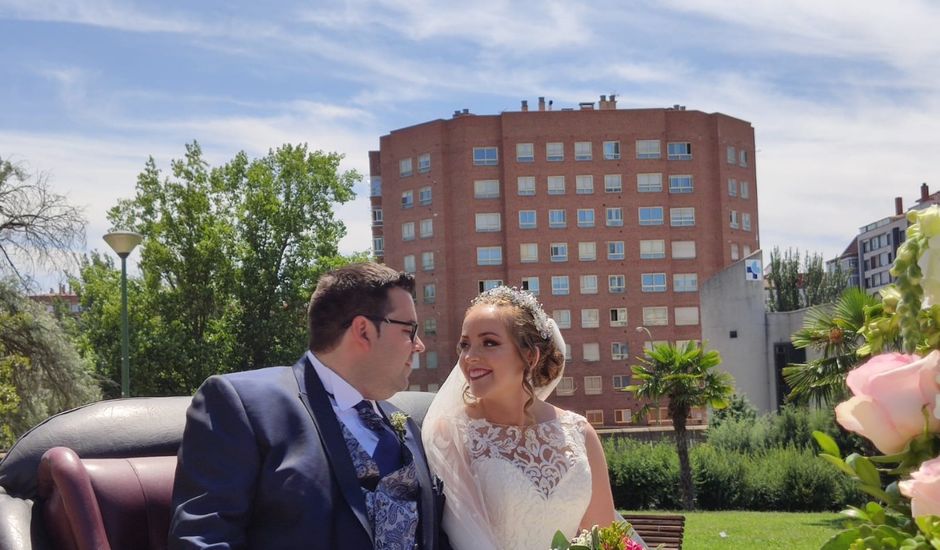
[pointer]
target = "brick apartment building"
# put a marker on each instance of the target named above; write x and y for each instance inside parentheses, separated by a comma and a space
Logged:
(614, 217)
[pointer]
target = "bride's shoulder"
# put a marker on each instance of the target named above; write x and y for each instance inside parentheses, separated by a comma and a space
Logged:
(569, 417)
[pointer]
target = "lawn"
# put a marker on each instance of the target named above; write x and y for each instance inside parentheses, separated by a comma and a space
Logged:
(763, 530)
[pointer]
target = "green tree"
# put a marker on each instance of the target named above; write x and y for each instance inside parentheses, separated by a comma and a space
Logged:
(687, 377)
(834, 331)
(796, 284)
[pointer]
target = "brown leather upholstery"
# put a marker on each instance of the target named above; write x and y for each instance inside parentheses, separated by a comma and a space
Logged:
(105, 503)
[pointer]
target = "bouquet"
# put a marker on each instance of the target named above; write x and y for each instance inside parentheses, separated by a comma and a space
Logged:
(618, 536)
(895, 404)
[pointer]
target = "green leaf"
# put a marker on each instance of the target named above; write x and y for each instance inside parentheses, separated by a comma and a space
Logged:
(838, 463)
(865, 470)
(842, 540)
(827, 444)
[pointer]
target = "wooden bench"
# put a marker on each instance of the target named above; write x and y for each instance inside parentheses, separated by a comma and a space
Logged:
(656, 529)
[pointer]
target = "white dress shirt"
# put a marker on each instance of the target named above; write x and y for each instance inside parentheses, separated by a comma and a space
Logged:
(343, 398)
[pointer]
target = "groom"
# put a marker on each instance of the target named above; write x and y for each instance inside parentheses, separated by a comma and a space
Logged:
(304, 456)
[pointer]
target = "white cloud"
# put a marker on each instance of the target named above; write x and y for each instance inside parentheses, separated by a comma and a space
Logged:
(99, 13)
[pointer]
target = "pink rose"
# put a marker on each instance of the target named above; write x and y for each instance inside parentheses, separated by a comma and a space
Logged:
(924, 489)
(889, 392)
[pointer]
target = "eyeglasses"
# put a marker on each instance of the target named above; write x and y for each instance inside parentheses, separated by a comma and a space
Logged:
(412, 324)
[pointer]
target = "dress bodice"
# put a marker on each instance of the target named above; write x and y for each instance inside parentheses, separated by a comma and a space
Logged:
(534, 480)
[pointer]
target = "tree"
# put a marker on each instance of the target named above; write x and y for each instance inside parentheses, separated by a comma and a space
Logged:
(794, 287)
(41, 373)
(687, 377)
(834, 330)
(37, 226)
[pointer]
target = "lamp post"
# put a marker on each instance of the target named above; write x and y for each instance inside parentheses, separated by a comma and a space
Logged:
(123, 243)
(649, 337)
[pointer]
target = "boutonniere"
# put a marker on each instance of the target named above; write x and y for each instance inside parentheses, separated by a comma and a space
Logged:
(399, 421)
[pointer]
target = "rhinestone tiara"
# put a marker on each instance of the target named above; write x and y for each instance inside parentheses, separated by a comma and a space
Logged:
(522, 299)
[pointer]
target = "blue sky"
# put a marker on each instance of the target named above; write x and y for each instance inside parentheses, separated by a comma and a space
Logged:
(843, 95)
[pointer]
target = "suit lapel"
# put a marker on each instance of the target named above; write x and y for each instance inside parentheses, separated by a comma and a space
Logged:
(317, 402)
(427, 521)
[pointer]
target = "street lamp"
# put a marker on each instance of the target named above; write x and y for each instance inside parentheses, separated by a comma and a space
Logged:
(123, 243)
(649, 337)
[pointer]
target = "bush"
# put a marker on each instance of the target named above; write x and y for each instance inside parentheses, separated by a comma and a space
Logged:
(643, 475)
(742, 436)
(719, 478)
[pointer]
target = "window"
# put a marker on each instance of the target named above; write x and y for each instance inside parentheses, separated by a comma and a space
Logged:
(615, 217)
(424, 196)
(649, 183)
(378, 245)
(732, 187)
(526, 185)
(408, 263)
(531, 284)
(489, 255)
(611, 150)
(560, 285)
(430, 293)
(622, 416)
(648, 149)
(407, 199)
(585, 217)
(559, 252)
(652, 249)
(679, 151)
(488, 221)
(680, 184)
(527, 219)
(744, 190)
(593, 386)
(683, 250)
(567, 352)
(408, 231)
(485, 156)
(584, 185)
(733, 219)
(557, 219)
(591, 351)
(651, 215)
(377, 216)
(587, 251)
(590, 318)
(424, 163)
(430, 326)
(685, 282)
(427, 228)
(565, 386)
(562, 318)
(582, 150)
(655, 316)
(747, 251)
(734, 252)
(686, 316)
(489, 284)
(618, 317)
(616, 284)
(525, 152)
(430, 362)
(619, 351)
(588, 284)
(614, 250)
(486, 189)
(427, 261)
(528, 252)
(746, 221)
(404, 168)
(375, 186)
(742, 158)
(555, 152)
(595, 417)
(682, 217)
(556, 185)
(653, 282)
(732, 156)
(613, 183)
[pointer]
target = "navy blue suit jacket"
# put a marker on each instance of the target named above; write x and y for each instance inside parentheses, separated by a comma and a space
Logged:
(263, 464)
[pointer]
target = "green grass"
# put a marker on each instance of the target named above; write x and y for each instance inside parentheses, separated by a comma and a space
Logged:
(758, 530)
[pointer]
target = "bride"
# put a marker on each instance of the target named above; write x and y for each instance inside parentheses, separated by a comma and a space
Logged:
(515, 468)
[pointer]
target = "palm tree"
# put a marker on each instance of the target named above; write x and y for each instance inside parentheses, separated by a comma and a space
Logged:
(833, 330)
(686, 377)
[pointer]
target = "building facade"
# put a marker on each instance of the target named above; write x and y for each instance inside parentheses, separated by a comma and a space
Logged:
(611, 216)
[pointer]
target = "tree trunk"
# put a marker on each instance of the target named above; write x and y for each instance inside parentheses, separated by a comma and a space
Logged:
(685, 468)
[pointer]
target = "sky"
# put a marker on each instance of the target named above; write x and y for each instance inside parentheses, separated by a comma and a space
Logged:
(844, 96)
